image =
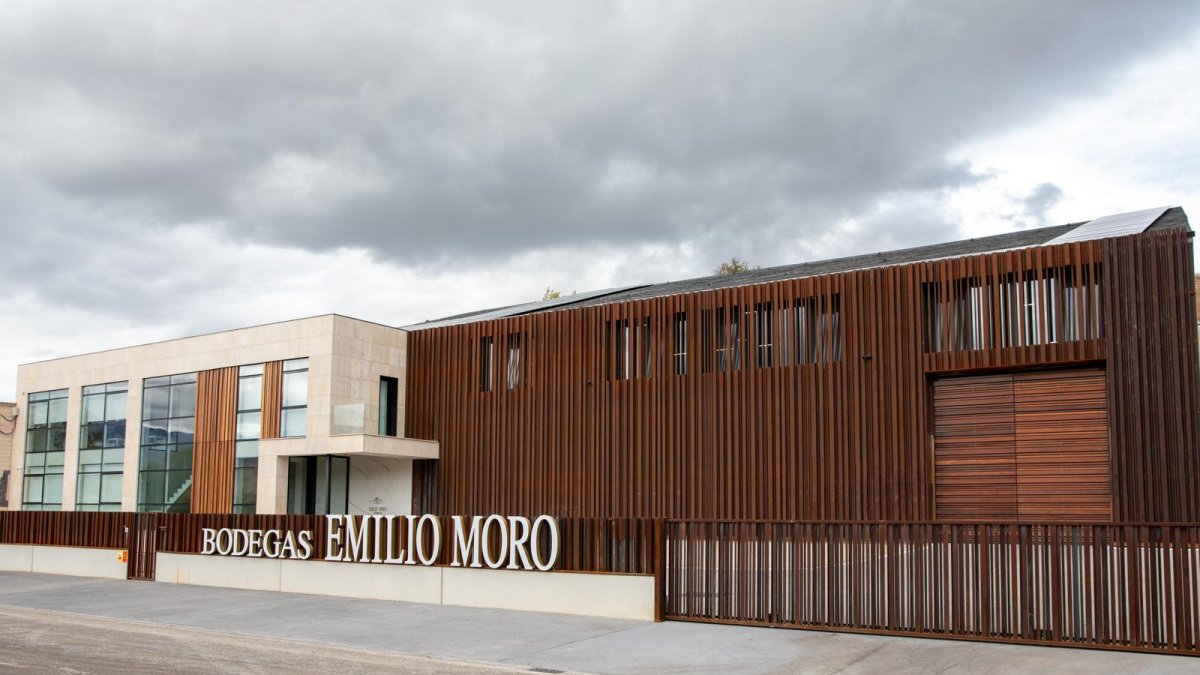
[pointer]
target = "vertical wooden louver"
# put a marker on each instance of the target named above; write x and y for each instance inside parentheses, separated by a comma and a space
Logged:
(272, 398)
(216, 431)
(832, 431)
(1024, 446)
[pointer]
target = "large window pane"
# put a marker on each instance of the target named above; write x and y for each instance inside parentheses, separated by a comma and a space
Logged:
(114, 434)
(117, 407)
(114, 459)
(182, 430)
(154, 458)
(293, 422)
(156, 403)
(248, 425)
(52, 489)
(92, 435)
(166, 458)
(89, 488)
(321, 494)
(180, 458)
(151, 489)
(298, 485)
(58, 411)
(90, 460)
(339, 474)
(37, 414)
(295, 389)
(93, 408)
(250, 393)
(33, 489)
(110, 488)
(183, 400)
(35, 440)
(176, 481)
(57, 439)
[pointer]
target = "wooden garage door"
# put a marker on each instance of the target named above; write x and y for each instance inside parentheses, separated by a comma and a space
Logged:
(1026, 446)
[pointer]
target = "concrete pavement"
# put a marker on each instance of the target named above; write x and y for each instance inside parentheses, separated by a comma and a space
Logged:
(35, 641)
(545, 642)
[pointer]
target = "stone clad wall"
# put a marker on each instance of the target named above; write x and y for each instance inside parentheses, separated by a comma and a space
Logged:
(7, 431)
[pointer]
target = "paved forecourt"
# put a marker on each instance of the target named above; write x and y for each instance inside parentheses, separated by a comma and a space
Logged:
(513, 639)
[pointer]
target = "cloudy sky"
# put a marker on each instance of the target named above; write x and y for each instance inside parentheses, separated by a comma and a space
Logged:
(174, 168)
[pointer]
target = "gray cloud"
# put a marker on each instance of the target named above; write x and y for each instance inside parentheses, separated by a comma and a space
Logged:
(459, 137)
(476, 131)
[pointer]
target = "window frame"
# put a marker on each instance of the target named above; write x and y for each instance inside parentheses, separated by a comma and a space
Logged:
(105, 470)
(171, 468)
(55, 433)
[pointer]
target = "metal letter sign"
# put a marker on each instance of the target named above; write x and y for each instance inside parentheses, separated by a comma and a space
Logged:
(509, 542)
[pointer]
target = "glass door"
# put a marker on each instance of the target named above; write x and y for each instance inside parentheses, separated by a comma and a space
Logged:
(318, 485)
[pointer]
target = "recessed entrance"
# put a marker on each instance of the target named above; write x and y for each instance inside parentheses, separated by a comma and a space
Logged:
(318, 485)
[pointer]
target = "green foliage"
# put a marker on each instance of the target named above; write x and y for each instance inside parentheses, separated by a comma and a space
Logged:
(552, 294)
(733, 266)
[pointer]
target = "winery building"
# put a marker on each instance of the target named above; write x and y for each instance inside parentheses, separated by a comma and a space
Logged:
(1046, 374)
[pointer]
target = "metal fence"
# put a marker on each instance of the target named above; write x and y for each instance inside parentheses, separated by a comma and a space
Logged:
(1132, 586)
(1123, 586)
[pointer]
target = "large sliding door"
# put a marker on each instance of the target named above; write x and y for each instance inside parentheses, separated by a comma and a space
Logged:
(1022, 446)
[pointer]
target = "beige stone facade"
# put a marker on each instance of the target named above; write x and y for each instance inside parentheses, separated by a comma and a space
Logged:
(8, 426)
(346, 358)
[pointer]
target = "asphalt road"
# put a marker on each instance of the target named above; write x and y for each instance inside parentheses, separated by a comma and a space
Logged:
(38, 641)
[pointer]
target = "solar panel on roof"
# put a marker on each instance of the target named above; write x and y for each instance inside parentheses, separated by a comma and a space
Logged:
(1116, 225)
(514, 310)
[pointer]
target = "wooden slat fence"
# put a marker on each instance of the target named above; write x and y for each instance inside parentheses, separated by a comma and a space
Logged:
(65, 528)
(1114, 586)
(604, 545)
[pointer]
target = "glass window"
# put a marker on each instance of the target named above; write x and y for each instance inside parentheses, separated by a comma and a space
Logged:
(183, 400)
(45, 446)
(679, 343)
(155, 403)
(293, 422)
(389, 393)
(250, 393)
(318, 484)
(293, 417)
(249, 430)
(102, 426)
(513, 370)
(168, 428)
(295, 389)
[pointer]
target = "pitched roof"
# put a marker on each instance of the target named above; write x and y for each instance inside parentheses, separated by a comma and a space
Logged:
(1099, 228)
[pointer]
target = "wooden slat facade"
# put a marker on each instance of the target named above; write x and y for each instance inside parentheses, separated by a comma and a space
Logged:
(272, 398)
(834, 424)
(216, 431)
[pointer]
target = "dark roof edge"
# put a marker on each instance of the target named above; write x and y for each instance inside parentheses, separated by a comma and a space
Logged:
(1174, 218)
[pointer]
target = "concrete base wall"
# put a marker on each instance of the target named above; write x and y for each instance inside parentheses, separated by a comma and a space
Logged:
(77, 562)
(16, 558)
(252, 574)
(617, 596)
(403, 583)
